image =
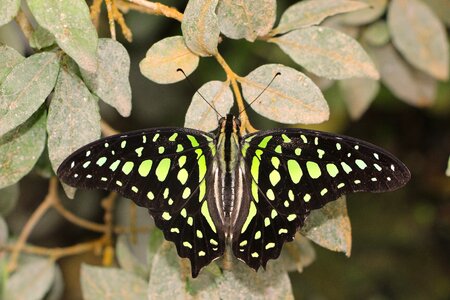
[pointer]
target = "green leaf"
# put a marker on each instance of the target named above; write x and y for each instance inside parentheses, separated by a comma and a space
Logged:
(308, 13)
(327, 52)
(127, 260)
(358, 94)
(25, 89)
(247, 19)
(73, 116)
(69, 21)
(165, 57)
(200, 115)
(408, 84)
(32, 280)
(8, 11)
(21, 148)
(9, 58)
(330, 227)
(375, 9)
(3, 232)
(377, 34)
(111, 283)
(110, 82)
(155, 240)
(241, 282)
(41, 38)
(8, 199)
(420, 36)
(291, 98)
(200, 27)
(57, 289)
(298, 254)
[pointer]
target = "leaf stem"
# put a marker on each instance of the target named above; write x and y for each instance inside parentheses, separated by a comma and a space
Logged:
(233, 78)
(112, 27)
(152, 8)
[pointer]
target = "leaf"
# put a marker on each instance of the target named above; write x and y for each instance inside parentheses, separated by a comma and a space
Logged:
(441, 9)
(247, 19)
(291, 98)
(408, 84)
(3, 232)
(170, 277)
(308, 13)
(110, 82)
(374, 11)
(448, 167)
(297, 255)
(25, 89)
(8, 199)
(21, 148)
(200, 115)
(377, 34)
(57, 289)
(9, 58)
(69, 21)
(41, 38)
(73, 116)
(8, 11)
(420, 36)
(32, 280)
(165, 57)
(111, 283)
(155, 240)
(200, 27)
(330, 227)
(241, 282)
(327, 53)
(358, 94)
(127, 260)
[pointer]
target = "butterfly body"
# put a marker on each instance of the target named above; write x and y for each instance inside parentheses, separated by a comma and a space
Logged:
(251, 192)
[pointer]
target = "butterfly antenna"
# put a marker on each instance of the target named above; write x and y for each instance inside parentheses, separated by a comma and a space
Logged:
(192, 85)
(249, 104)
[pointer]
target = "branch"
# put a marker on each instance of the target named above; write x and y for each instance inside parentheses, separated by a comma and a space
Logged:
(151, 8)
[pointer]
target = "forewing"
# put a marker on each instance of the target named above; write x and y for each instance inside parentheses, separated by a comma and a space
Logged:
(293, 171)
(164, 170)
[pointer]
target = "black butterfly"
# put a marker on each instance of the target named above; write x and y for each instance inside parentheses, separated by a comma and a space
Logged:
(251, 192)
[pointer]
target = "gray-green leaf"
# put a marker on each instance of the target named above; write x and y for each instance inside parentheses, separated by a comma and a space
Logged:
(110, 82)
(8, 10)
(41, 38)
(420, 36)
(241, 282)
(440, 8)
(165, 57)
(73, 116)
(3, 232)
(32, 280)
(25, 89)
(358, 94)
(200, 115)
(200, 27)
(298, 254)
(330, 227)
(377, 34)
(327, 52)
(111, 283)
(374, 10)
(127, 260)
(247, 19)
(8, 199)
(9, 58)
(21, 148)
(408, 84)
(313, 12)
(69, 21)
(291, 98)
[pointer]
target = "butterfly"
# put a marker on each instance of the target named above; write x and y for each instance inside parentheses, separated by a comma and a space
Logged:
(251, 193)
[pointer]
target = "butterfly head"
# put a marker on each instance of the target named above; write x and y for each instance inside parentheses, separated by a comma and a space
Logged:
(229, 124)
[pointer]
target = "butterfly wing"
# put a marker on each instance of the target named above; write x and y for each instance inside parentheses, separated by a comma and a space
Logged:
(165, 170)
(291, 172)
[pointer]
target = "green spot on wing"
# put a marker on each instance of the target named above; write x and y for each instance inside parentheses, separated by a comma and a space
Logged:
(163, 169)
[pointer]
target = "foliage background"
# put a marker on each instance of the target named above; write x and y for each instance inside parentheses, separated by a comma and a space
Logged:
(401, 240)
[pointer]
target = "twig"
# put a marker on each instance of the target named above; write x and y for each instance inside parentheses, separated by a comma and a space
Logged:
(108, 206)
(107, 129)
(151, 8)
(95, 11)
(31, 223)
(71, 217)
(109, 9)
(24, 24)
